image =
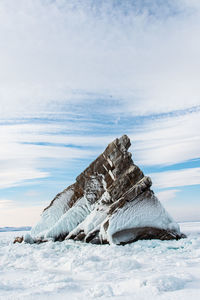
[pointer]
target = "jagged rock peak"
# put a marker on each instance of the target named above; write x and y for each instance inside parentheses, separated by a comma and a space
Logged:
(110, 202)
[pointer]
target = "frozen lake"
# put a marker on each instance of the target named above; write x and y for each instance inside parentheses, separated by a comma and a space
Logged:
(71, 270)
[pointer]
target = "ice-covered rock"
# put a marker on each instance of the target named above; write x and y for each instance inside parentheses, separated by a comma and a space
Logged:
(110, 202)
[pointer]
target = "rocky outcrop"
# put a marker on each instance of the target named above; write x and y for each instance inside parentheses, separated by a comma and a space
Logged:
(110, 202)
(18, 239)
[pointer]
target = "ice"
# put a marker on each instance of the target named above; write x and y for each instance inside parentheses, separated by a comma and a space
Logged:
(60, 220)
(70, 219)
(110, 162)
(51, 215)
(94, 219)
(145, 213)
(144, 270)
(28, 238)
(111, 175)
(167, 283)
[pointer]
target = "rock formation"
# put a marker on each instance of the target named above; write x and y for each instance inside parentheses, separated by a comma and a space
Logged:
(110, 202)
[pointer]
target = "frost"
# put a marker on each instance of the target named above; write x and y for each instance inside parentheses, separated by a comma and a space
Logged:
(70, 219)
(28, 238)
(105, 168)
(111, 174)
(51, 215)
(109, 161)
(141, 213)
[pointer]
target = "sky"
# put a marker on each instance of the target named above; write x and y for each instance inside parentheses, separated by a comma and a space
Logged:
(76, 74)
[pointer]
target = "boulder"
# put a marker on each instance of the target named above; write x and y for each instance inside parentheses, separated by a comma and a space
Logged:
(18, 239)
(110, 202)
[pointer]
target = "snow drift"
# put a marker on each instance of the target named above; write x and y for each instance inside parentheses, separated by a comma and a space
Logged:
(110, 202)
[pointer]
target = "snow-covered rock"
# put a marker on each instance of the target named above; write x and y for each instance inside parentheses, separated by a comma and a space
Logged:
(110, 202)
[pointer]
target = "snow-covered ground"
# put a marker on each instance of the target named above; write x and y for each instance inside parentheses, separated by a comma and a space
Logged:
(72, 270)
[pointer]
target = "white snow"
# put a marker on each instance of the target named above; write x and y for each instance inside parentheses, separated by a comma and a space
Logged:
(140, 213)
(74, 216)
(111, 175)
(145, 270)
(109, 161)
(50, 216)
(94, 219)
(105, 168)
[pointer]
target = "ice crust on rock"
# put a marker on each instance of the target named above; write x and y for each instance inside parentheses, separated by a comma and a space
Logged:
(110, 202)
(52, 214)
(69, 220)
(148, 213)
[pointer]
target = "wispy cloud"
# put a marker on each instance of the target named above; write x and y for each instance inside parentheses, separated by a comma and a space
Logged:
(57, 52)
(28, 149)
(14, 176)
(167, 195)
(176, 178)
(165, 140)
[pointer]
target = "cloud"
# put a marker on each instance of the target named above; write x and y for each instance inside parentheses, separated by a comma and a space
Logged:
(176, 178)
(14, 176)
(58, 52)
(167, 195)
(74, 132)
(21, 163)
(165, 140)
(29, 148)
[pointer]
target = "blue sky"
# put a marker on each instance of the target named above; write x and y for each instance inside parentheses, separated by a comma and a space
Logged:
(77, 74)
